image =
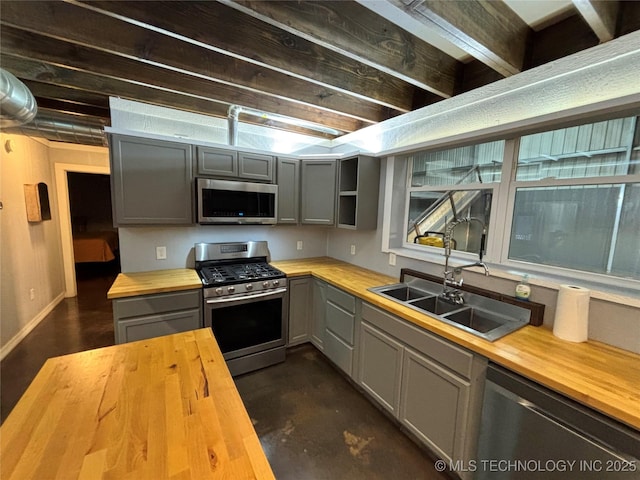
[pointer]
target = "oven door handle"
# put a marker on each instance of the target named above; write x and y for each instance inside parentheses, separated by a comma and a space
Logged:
(243, 298)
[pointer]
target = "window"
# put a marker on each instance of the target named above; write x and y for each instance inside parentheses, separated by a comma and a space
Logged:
(449, 185)
(568, 198)
(567, 211)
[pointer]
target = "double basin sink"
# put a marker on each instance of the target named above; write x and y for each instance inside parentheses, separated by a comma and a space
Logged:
(482, 316)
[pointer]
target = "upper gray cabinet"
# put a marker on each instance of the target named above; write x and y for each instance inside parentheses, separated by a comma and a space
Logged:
(288, 190)
(318, 192)
(150, 181)
(358, 186)
(231, 164)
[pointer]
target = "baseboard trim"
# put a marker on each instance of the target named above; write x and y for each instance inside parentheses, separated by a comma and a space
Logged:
(17, 338)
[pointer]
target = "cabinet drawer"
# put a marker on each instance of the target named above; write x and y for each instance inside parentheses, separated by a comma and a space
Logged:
(153, 304)
(343, 299)
(341, 323)
(338, 352)
(444, 352)
(157, 325)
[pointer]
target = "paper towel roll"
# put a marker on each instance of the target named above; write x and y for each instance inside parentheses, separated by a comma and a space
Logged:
(571, 322)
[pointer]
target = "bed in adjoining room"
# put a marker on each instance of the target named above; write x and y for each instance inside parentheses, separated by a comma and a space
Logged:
(95, 246)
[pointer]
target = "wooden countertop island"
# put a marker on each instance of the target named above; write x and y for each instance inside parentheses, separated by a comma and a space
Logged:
(160, 408)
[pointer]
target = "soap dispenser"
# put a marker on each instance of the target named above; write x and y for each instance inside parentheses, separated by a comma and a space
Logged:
(523, 290)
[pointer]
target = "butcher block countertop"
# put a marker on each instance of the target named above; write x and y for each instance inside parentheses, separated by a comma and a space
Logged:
(153, 409)
(592, 373)
(157, 281)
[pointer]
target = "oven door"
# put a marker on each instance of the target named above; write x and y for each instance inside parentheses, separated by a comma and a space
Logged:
(247, 324)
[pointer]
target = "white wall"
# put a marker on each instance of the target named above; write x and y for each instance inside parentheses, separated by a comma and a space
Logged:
(31, 255)
(138, 244)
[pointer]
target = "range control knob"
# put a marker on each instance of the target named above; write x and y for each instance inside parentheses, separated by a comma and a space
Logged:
(219, 291)
(276, 283)
(249, 286)
(231, 289)
(265, 284)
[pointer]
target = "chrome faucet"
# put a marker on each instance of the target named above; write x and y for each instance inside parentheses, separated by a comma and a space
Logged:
(450, 285)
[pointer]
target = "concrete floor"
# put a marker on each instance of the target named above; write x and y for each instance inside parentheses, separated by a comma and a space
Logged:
(313, 424)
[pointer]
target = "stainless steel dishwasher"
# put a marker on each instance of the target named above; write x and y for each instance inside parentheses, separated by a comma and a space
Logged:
(530, 432)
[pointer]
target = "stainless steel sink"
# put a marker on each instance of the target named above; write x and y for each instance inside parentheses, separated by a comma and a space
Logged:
(482, 316)
(435, 305)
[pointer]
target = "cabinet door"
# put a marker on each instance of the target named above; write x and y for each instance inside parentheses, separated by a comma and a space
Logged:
(150, 181)
(318, 319)
(380, 367)
(288, 190)
(152, 326)
(434, 405)
(318, 192)
(217, 162)
(299, 310)
(253, 166)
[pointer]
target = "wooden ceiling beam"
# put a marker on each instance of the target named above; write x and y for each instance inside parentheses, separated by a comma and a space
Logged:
(30, 45)
(29, 70)
(71, 95)
(489, 31)
(72, 108)
(115, 36)
(600, 15)
(227, 30)
(358, 33)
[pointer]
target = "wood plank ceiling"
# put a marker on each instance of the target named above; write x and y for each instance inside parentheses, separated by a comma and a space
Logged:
(337, 65)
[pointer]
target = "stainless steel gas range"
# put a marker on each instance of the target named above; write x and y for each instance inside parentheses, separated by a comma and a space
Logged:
(245, 302)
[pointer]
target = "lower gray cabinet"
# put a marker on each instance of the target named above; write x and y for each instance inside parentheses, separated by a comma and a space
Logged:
(380, 367)
(318, 313)
(340, 318)
(431, 385)
(434, 404)
(299, 312)
(148, 316)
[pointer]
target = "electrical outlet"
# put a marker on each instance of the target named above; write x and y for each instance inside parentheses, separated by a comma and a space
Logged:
(161, 253)
(353, 249)
(392, 259)
(299, 245)
(32, 293)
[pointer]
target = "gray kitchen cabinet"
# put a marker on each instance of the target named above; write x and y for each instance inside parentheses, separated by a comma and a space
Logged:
(300, 295)
(380, 367)
(150, 181)
(434, 404)
(431, 385)
(231, 164)
(318, 313)
(288, 190)
(358, 186)
(256, 167)
(340, 334)
(317, 192)
(217, 162)
(148, 316)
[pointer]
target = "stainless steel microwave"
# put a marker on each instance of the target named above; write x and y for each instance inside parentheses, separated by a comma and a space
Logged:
(234, 202)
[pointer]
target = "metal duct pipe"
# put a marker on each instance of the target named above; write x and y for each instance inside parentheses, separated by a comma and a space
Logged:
(232, 116)
(17, 104)
(61, 131)
(235, 111)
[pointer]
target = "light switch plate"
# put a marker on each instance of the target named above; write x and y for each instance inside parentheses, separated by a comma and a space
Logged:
(161, 253)
(392, 259)
(299, 245)
(353, 249)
